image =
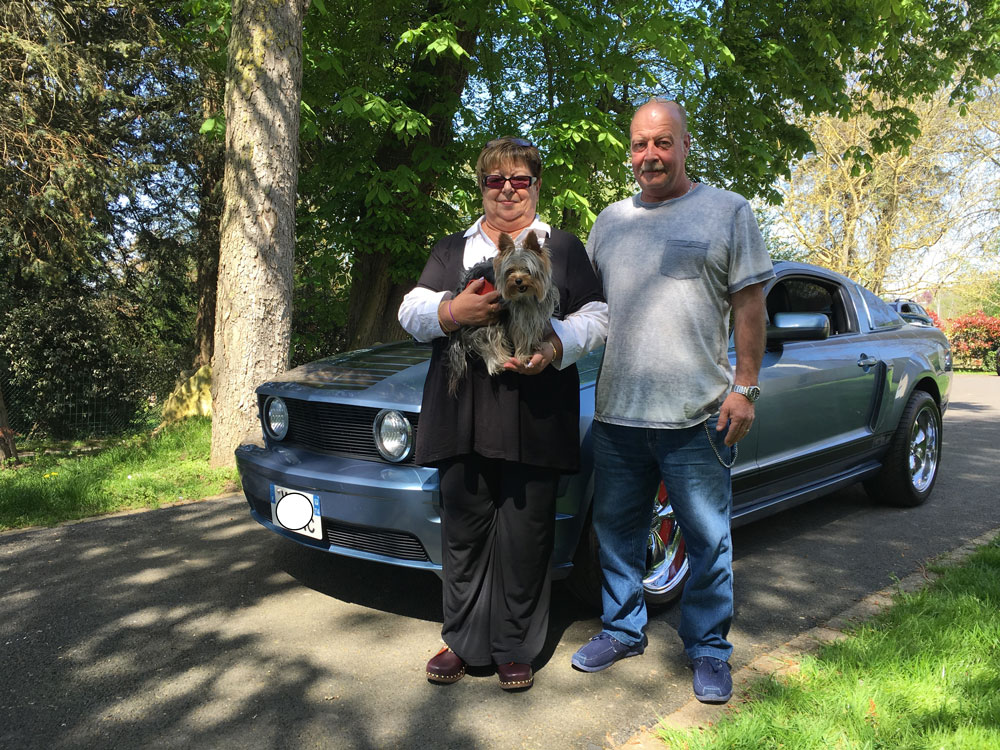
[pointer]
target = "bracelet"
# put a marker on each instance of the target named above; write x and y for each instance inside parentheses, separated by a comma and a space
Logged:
(555, 350)
(452, 316)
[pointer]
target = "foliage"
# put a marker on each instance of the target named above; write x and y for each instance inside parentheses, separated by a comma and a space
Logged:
(974, 337)
(111, 129)
(138, 471)
(66, 355)
(90, 99)
(935, 319)
(400, 97)
(917, 217)
(921, 675)
(101, 193)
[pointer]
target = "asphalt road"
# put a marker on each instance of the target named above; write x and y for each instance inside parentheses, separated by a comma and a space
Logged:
(192, 627)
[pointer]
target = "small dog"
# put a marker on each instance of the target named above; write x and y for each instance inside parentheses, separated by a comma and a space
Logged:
(528, 298)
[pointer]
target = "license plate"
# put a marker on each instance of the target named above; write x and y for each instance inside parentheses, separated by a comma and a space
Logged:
(296, 511)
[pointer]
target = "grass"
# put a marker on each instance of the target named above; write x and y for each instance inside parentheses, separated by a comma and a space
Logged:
(924, 674)
(139, 471)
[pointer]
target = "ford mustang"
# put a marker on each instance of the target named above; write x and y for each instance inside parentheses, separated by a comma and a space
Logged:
(850, 393)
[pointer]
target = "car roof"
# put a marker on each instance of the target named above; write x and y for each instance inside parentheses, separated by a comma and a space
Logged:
(786, 267)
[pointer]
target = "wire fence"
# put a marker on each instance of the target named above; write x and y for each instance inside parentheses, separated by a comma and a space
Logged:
(77, 415)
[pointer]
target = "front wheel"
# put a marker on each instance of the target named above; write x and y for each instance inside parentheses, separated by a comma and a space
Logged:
(666, 559)
(910, 468)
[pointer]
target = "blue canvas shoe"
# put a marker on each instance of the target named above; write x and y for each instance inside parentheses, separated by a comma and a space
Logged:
(712, 681)
(603, 650)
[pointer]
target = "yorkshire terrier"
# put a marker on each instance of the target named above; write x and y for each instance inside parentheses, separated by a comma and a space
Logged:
(528, 298)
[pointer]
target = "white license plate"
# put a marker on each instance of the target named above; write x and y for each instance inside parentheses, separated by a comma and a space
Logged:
(296, 511)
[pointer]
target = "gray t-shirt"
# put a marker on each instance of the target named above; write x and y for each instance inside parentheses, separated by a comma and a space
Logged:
(668, 270)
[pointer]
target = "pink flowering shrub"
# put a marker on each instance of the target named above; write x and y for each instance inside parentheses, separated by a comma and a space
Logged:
(975, 339)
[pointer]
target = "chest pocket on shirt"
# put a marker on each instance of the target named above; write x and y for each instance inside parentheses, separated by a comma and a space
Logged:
(683, 259)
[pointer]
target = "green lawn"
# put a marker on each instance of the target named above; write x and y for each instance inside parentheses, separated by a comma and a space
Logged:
(924, 674)
(139, 471)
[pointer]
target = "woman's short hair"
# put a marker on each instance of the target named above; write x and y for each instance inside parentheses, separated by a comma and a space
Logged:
(508, 150)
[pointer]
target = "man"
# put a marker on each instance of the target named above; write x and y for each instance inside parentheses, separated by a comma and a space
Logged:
(674, 261)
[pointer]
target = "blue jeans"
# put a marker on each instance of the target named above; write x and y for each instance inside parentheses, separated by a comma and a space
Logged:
(628, 465)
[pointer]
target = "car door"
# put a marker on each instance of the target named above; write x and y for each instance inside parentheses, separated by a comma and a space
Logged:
(813, 418)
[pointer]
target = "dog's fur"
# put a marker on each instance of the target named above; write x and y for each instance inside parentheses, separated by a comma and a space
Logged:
(523, 276)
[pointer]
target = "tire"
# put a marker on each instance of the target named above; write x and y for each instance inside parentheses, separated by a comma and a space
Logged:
(666, 560)
(910, 467)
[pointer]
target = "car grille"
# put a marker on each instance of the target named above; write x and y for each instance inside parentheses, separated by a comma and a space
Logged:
(340, 429)
(376, 541)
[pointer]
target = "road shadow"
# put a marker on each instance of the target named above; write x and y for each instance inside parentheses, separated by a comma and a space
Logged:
(408, 592)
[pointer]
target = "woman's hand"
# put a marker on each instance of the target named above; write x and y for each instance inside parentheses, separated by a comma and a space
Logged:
(541, 359)
(469, 308)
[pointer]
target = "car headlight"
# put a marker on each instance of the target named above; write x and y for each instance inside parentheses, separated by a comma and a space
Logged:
(275, 418)
(393, 435)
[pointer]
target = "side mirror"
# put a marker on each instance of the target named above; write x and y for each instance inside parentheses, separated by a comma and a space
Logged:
(798, 327)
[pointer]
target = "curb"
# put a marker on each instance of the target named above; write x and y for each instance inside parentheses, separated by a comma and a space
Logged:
(785, 658)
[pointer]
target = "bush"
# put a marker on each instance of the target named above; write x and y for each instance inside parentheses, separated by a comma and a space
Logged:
(991, 362)
(975, 339)
(75, 367)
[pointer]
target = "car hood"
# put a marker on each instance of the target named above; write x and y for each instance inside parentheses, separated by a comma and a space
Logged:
(386, 376)
(390, 375)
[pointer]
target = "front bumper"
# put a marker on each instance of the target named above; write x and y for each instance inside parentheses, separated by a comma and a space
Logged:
(380, 511)
(373, 511)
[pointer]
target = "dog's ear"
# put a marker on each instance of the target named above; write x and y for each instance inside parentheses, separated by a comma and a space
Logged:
(506, 243)
(531, 243)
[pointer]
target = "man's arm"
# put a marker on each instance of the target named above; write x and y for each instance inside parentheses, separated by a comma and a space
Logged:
(749, 332)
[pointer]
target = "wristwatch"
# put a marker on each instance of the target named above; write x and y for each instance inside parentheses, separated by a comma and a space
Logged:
(752, 392)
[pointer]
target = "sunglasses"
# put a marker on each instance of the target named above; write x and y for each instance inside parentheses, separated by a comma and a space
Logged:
(516, 141)
(518, 181)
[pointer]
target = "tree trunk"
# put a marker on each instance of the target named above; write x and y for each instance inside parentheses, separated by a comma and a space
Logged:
(253, 307)
(210, 173)
(207, 255)
(374, 302)
(7, 448)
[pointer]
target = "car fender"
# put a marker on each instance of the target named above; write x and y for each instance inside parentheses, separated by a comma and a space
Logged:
(911, 362)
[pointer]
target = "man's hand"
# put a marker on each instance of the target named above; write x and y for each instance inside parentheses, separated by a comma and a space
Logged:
(469, 308)
(749, 333)
(737, 412)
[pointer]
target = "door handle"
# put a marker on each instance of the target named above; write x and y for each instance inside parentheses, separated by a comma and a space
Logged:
(867, 361)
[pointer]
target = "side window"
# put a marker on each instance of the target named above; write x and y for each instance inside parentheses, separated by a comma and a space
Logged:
(810, 295)
(879, 313)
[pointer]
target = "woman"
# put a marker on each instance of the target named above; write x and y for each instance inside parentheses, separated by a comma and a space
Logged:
(500, 443)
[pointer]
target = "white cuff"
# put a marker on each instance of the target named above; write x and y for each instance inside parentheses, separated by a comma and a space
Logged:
(418, 313)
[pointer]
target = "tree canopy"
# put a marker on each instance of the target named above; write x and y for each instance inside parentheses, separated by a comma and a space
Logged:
(112, 119)
(919, 218)
(400, 97)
